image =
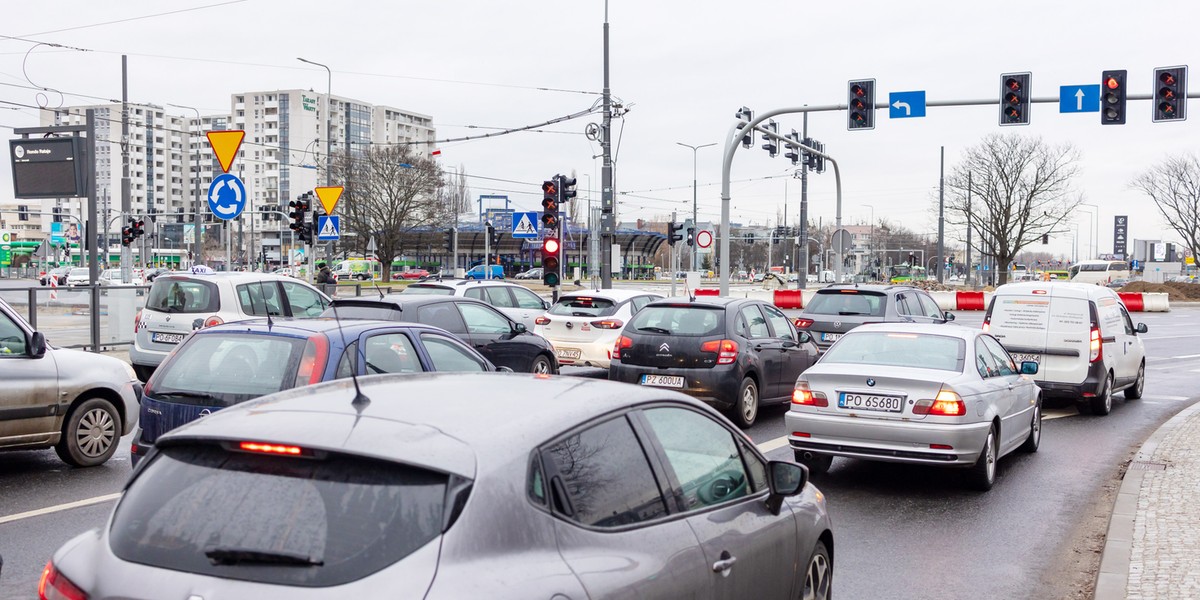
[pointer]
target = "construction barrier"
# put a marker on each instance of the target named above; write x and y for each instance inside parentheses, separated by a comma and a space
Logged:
(970, 301)
(1133, 301)
(789, 298)
(798, 299)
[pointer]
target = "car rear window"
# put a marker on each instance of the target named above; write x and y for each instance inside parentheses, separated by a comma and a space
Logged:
(228, 368)
(583, 306)
(311, 522)
(378, 312)
(848, 302)
(679, 320)
(922, 351)
(181, 295)
(428, 290)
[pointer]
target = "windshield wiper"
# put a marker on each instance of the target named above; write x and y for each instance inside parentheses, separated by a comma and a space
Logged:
(655, 330)
(850, 312)
(241, 556)
(183, 394)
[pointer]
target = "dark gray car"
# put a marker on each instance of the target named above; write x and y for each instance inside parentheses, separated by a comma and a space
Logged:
(465, 486)
(839, 308)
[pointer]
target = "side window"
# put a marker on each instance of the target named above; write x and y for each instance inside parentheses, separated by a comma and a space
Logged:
(390, 353)
(450, 356)
(346, 364)
(903, 306)
(481, 319)
(703, 455)
(12, 338)
(259, 299)
(779, 322)
(641, 301)
(476, 293)
(305, 301)
(1004, 362)
(754, 466)
(528, 299)
(536, 487)
(984, 361)
(499, 296)
(605, 476)
(930, 307)
(756, 324)
(442, 314)
(1129, 330)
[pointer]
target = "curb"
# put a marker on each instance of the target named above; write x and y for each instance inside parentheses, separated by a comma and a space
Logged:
(1113, 576)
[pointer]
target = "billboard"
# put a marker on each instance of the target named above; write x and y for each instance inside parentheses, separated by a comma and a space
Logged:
(1120, 236)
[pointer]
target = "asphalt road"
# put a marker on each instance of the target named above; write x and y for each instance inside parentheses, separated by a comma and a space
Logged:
(902, 532)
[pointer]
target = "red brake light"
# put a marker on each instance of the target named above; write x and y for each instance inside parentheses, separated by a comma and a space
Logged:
(312, 362)
(55, 586)
(987, 323)
(947, 404)
(213, 321)
(542, 321)
(622, 342)
(608, 324)
(804, 396)
(802, 323)
(1096, 345)
(137, 321)
(271, 448)
(726, 350)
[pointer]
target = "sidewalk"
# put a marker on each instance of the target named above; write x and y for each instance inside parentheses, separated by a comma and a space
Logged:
(1153, 544)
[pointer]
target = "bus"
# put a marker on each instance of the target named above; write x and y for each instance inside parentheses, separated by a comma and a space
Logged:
(906, 274)
(1098, 271)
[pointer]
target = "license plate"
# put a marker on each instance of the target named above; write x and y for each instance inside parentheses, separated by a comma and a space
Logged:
(871, 402)
(662, 381)
(567, 352)
(830, 337)
(1020, 358)
(166, 338)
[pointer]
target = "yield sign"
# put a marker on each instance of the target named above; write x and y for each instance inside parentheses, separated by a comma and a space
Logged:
(225, 145)
(329, 197)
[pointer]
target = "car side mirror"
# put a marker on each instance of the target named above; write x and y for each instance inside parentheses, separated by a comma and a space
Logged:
(1029, 367)
(37, 345)
(1141, 328)
(784, 479)
(789, 343)
(520, 328)
(949, 316)
(805, 337)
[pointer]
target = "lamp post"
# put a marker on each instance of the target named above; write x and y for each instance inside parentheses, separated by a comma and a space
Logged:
(1095, 229)
(328, 144)
(695, 221)
(198, 222)
(871, 243)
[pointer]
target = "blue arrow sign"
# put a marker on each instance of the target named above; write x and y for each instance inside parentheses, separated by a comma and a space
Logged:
(906, 105)
(226, 196)
(524, 225)
(1079, 98)
(329, 227)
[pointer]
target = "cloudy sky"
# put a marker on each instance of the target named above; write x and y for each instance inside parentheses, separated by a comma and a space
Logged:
(683, 68)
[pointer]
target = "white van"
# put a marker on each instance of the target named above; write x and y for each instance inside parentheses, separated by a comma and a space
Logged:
(1081, 336)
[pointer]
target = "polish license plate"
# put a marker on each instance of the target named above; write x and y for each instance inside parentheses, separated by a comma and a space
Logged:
(830, 337)
(1020, 358)
(166, 338)
(567, 352)
(871, 402)
(662, 381)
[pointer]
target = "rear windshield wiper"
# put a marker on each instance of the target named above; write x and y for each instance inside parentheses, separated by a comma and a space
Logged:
(241, 556)
(655, 330)
(851, 312)
(197, 395)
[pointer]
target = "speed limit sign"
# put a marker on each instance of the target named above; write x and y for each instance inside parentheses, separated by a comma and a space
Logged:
(704, 238)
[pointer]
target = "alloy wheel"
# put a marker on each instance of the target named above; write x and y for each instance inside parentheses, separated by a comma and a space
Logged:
(96, 433)
(816, 579)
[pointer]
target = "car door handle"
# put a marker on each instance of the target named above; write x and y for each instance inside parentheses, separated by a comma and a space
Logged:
(725, 564)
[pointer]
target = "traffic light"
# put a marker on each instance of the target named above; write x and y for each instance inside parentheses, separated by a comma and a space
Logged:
(449, 240)
(127, 236)
(746, 115)
(139, 227)
(550, 204)
(1170, 94)
(860, 105)
(493, 235)
(673, 235)
(1045, 238)
(566, 186)
(691, 236)
(771, 146)
(298, 213)
(551, 253)
(793, 148)
(1112, 97)
(1014, 98)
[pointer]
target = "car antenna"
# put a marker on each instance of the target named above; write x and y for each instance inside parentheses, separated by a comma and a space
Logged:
(377, 288)
(360, 400)
(267, 309)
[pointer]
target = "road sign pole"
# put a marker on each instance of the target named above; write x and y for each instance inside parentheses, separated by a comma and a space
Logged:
(671, 257)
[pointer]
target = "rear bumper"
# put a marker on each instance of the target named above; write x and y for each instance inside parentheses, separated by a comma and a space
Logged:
(1091, 385)
(138, 449)
(594, 353)
(716, 386)
(888, 441)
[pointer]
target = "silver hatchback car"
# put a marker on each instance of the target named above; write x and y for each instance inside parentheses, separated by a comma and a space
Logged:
(419, 488)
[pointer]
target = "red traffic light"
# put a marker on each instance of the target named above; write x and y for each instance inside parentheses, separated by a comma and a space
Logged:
(550, 246)
(1112, 83)
(858, 91)
(1167, 78)
(549, 188)
(1012, 84)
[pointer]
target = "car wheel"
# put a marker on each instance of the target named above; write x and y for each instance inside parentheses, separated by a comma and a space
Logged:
(1102, 403)
(541, 366)
(1035, 430)
(90, 434)
(745, 409)
(983, 473)
(818, 577)
(1135, 391)
(143, 372)
(817, 464)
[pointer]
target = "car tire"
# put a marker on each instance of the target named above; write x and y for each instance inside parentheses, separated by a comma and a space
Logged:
(1035, 430)
(90, 434)
(745, 407)
(1134, 391)
(541, 366)
(982, 475)
(818, 464)
(1102, 404)
(818, 576)
(143, 372)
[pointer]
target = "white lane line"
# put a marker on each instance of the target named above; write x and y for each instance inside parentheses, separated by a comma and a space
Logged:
(59, 508)
(774, 444)
(1186, 356)
(1058, 413)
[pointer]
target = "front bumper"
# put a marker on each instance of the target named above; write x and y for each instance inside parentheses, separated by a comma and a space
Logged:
(716, 386)
(888, 441)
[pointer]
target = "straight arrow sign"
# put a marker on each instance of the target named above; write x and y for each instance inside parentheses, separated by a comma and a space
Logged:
(1078, 98)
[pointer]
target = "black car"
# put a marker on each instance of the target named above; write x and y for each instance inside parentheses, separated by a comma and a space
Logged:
(836, 309)
(498, 338)
(732, 353)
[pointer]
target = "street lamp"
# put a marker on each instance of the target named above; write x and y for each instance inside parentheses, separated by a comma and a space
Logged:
(312, 255)
(695, 220)
(871, 243)
(1095, 228)
(198, 222)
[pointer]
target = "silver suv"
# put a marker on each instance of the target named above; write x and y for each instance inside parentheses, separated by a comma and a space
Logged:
(79, 403)
(516, 301)
(179, 304)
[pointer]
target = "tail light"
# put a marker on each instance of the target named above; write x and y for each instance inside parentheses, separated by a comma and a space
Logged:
(542, 321)
(947, 404)
(265, 448)
(727, 350)
(608, 324)
(802, 323)
(806, 397)
(622, 342)
(137, 321)
(312, 362)
(55, 586)
(1095, 345)
(987, 323)
(213, 321)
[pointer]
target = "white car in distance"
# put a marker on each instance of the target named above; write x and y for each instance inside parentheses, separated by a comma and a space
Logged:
(584, 326)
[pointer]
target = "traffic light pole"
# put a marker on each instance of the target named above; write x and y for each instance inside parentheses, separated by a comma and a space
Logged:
(671, 253)
(607, 216)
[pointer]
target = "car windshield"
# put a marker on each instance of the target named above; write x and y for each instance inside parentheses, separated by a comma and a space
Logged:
(428, 290)
(847, 302)
(229, 367)
(898, 350)
(79, 273)
(313, 521)
(678, 320)
(183, 295)
(583, 306)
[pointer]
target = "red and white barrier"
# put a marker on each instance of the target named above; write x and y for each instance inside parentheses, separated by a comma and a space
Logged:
(948, 300)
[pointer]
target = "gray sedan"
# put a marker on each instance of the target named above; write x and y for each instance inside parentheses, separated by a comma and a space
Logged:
(925, 394)
(465, 486)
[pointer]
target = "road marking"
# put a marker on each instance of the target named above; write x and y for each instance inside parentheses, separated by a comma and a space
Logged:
(774, 444)
(1058, 413)
(1186, 356)
(59, 508)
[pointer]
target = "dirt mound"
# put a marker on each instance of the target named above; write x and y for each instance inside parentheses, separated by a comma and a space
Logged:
(1177, 292)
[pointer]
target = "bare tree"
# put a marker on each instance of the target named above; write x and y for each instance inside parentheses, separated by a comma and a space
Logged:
(1174, 186)
(389, 192)
(1019, 188)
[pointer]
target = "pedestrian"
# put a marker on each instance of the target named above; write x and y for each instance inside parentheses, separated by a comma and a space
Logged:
(324, 275)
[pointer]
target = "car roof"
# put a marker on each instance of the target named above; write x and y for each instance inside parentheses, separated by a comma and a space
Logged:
(230, 276)
(307, 327)
(611, 294)
(1057, 289)
(942, 329)
(834, 288)
(715, 301)
(457, 432)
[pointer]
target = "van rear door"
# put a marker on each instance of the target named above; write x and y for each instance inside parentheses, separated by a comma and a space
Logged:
(1067, 340)
(1020, 321)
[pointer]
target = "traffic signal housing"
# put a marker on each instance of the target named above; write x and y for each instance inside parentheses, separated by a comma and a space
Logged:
(550, 204)
(551, 255)
(691, 236)
(1112, 97)
(1170, 94)
(1015, 93)
(771, 145)
(298, 213)
(566, 186)
(860, 105)
(673, 235)
(746, 115)
(127, 236)
(449, 240)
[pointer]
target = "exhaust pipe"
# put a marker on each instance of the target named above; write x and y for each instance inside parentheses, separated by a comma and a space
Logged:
(807, 455)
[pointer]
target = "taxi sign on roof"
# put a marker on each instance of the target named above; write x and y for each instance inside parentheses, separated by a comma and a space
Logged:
(225, 145)
(329, 197)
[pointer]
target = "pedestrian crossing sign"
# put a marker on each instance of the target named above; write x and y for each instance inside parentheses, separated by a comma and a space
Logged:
(524, 225)
(329, 228)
